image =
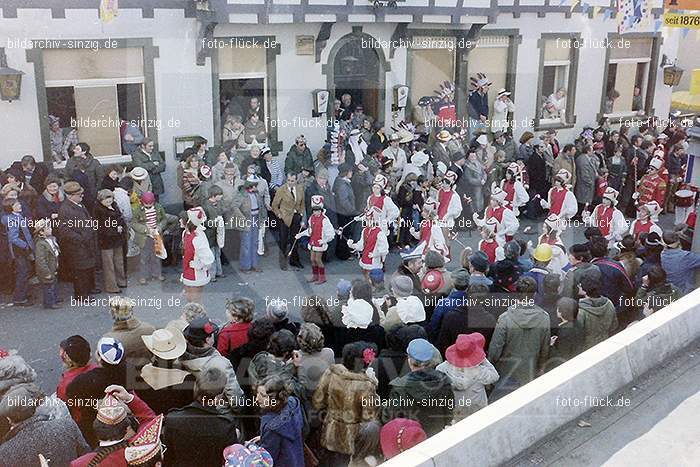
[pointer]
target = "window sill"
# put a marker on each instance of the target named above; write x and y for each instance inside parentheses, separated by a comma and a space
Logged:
(547, 125)
(626, 117)
(104, 160)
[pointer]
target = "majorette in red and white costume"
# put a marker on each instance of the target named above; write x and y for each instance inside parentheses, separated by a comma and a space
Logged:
(647, 215)
(373, 243)
(608, 218)
(652, 186)
(197, 256)
(551, 231)
(449, 204)
(489, 242)
(388, 211)
(560, 201)
(320, 232)
(507, 223)
(516, 194)
(430, 232)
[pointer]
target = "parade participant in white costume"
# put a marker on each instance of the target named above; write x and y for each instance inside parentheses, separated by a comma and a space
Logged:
(373, 245)
(489, 241)
(507, 222)
(358, 146)
(647, 215)
(389, 212)
(430, 232)
(449, 204)
(561, 201)
(516, 194)
(551, 231)
(608, 218)
(320, 233)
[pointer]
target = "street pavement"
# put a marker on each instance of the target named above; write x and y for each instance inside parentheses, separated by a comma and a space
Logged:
(653, 422)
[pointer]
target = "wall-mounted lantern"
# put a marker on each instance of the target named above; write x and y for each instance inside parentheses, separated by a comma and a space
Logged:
(10, 79)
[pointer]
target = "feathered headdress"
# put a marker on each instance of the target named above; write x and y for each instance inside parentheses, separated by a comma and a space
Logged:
(446, 89)
(479, 81)
(337, 142)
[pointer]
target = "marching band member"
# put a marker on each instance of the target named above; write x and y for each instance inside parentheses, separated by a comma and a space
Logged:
(560, 200)
(388, 211)
(320, 233)
(449, 204)
(516, 194)
(551, 231)
(652, 186)
(608, 218)
(373, 244)
(489, 242)
(647, 215)
(430, 232)
(507, 223)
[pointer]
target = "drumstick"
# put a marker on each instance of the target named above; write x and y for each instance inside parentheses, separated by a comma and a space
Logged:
(294, 243)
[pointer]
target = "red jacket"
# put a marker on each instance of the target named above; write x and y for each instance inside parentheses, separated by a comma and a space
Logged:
(143, 414)
(232, 336)
(66, 378)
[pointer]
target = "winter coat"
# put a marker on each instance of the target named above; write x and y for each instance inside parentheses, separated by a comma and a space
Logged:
(241, 217)
(312, 368)
(76, 236)
(537, 170)
(565, 162)
(46, 206)
(654, 299)
(508, 148)
(328, 199)
(464, 320)
(108, 235)
(343, 335)
(470, 184)
(344, 197)
(569, 343)
(630, 262)
(129, 333)
(455, 300)
(45, 261)
(231, 337)
(138, 223)
(598, 319)
(59, 440)
(281, 434)
(197, 435)
(93, 169)
(154, 164)
(424, 395)
(520, 343)
(680, 267)
(197, 359)
(468, 386)
(265, 364)
(586, 174)
(616, 284)
(348, 399)
(572, 279)
(296, 161)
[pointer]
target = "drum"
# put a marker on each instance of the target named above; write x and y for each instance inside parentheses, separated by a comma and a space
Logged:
(684, 198)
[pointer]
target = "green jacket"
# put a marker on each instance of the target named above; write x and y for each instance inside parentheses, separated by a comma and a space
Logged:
(657, 298)
(138, 223)
(296, 161)
(519, 346)
(154, 164)
(598, 318)
(569, 286)
(45, 261)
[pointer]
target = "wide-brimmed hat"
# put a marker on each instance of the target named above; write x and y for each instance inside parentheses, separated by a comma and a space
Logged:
(399, 435)
(467, 351)
(611, 194)
(395, 137)
(138, 173)
(168, 343)
(197, 216)
(443, 136)
(419, 158)
(72, 188)
(502, 92)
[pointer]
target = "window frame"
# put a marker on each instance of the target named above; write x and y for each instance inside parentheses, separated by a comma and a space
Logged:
(572, 63)
(149, 54)
(650, 79)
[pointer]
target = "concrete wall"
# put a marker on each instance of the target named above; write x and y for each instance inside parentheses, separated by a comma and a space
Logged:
(500, 431)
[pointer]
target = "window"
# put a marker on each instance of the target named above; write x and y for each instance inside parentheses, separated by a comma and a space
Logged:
(555, 100)
(490, 56)
(96, 94)
(628, 77)
(243, 91)
(429, 65)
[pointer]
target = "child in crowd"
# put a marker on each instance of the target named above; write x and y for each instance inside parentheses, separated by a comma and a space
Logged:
(46, 252)
(235, 333)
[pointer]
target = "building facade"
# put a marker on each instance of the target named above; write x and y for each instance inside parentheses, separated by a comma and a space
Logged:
(179, 67)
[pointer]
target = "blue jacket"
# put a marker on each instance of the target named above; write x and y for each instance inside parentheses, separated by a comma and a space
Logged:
(680, 268)
(281, 434)
(617, 286)
(456, 299)
(478, 105)
(538, 274)
(18, 235)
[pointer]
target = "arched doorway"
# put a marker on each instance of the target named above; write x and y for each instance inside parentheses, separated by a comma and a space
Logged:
(357, 69)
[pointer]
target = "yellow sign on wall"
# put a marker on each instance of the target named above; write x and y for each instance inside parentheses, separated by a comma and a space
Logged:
(687, 21)
(682, 4)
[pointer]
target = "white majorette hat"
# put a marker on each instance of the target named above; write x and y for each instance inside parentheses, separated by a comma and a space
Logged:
(514, 167)
(498, 194)
(205, 170)
(483, 140)
(451, 177)
(417, 252)
(553, 222)
(419, 158)
(491, 225)
(381, 181)
(564, 175)
(317, 201)
(656, 163)
(196, 215)
(430, 204)
(503, 92)
(653, 208)
(611, 194)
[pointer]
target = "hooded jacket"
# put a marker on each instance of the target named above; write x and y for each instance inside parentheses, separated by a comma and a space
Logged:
(348, 399)
(598, 318)
(656, 298)
(520, 343)
(281, 434)
(423, 395)
(468, 386)
(197, 359)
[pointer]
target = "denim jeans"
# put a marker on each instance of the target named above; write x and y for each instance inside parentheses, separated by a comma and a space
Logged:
(215, 267)
(50, 294)
(21, 278)
(149, 264)
(249, 246)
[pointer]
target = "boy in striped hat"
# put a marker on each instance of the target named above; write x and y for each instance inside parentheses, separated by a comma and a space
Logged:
(320, 233)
